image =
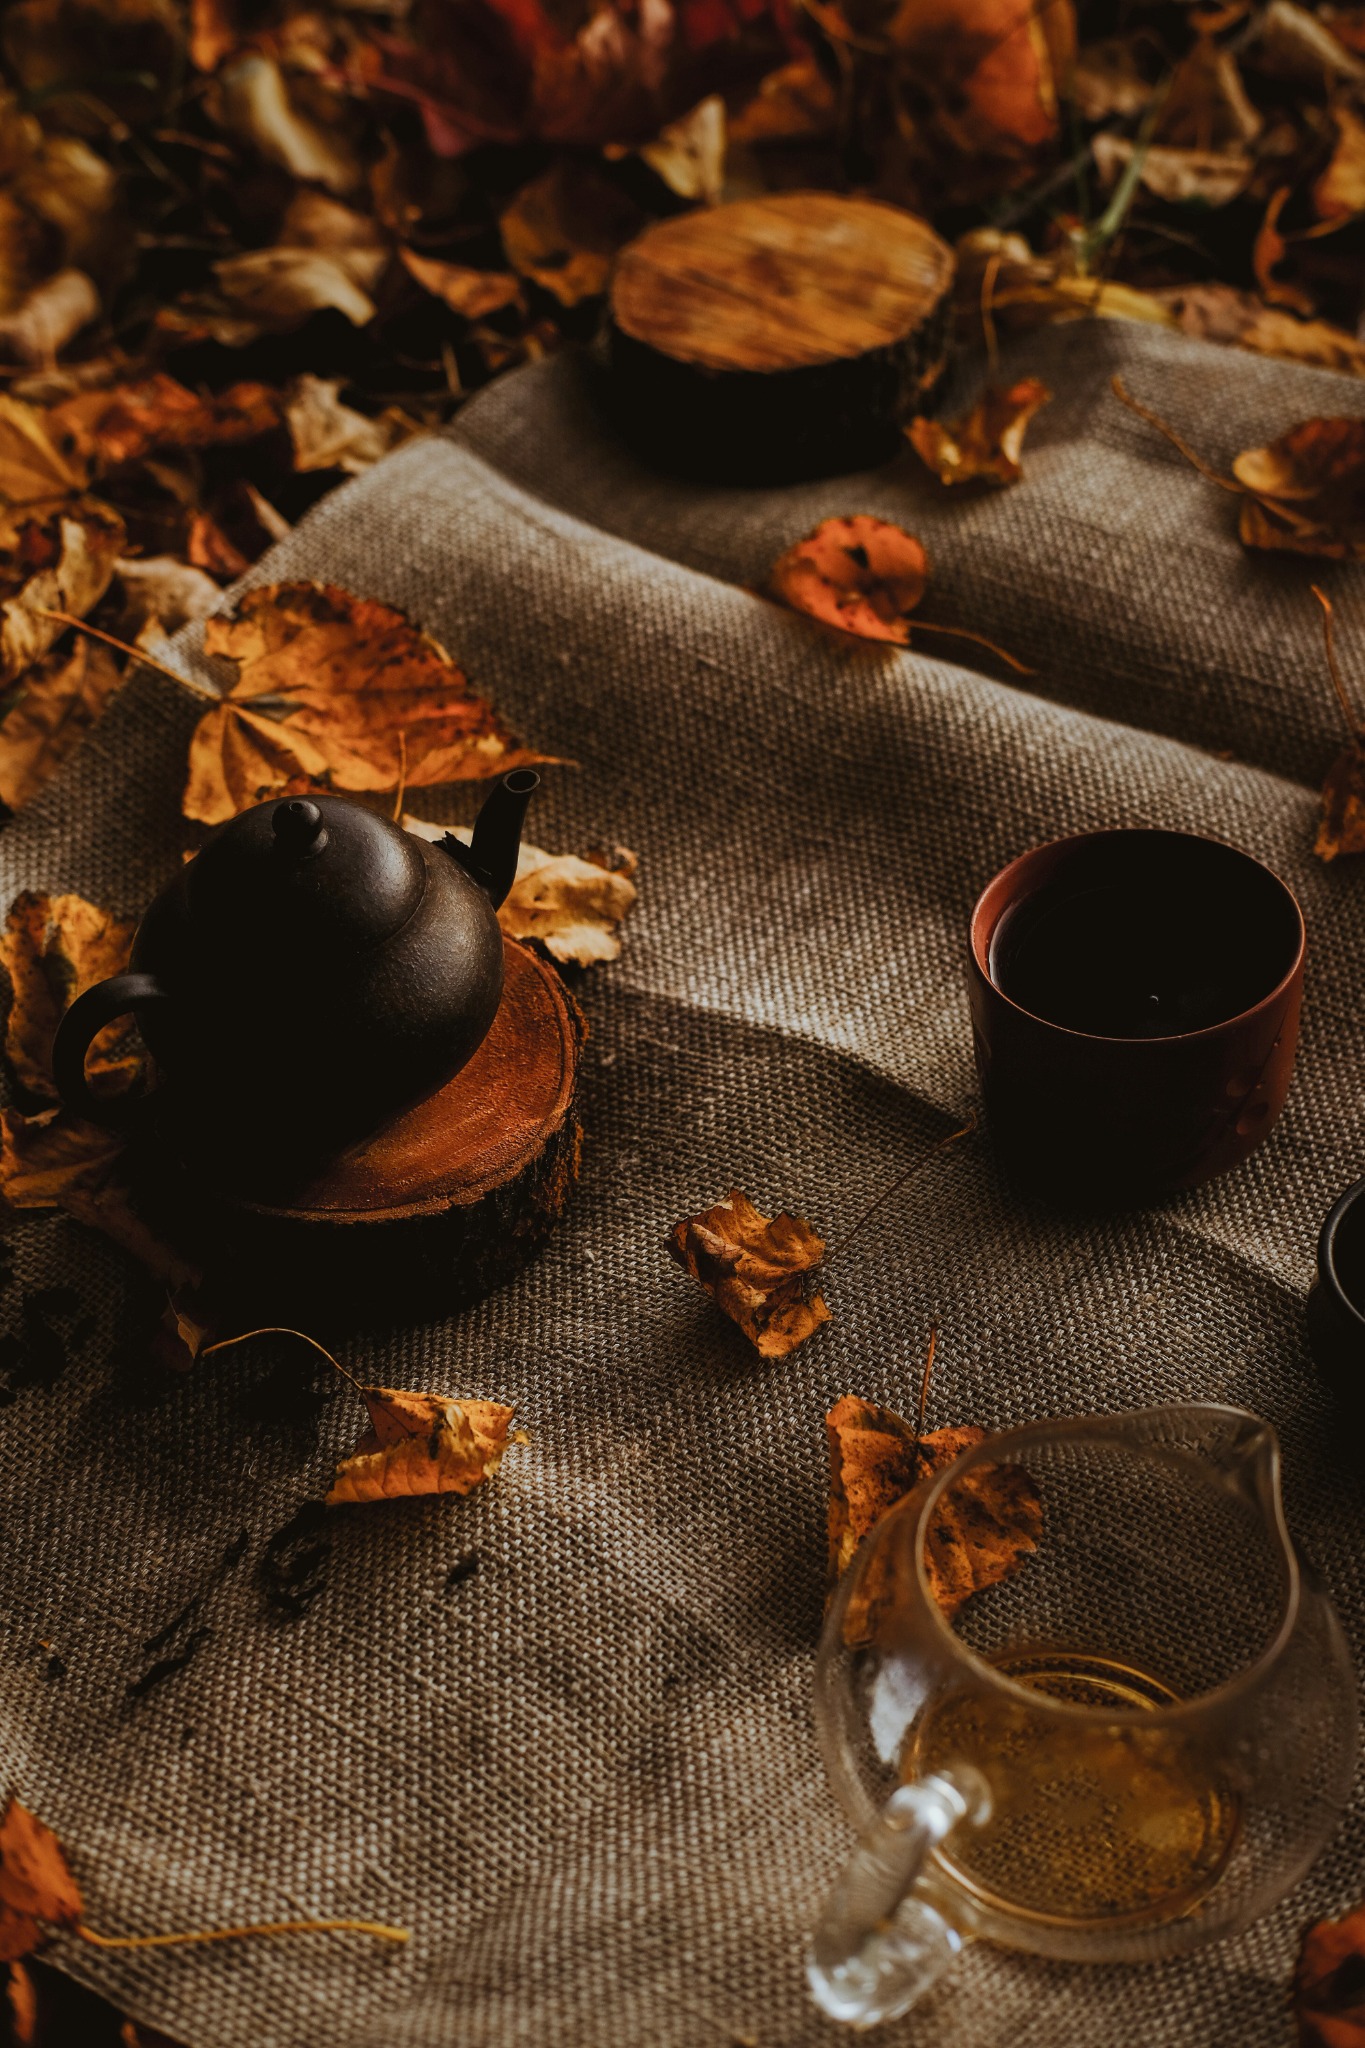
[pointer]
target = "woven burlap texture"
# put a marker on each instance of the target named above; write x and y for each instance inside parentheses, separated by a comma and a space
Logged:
(584, 1773)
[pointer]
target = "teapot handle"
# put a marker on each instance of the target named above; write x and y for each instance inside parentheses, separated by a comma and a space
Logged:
(877, 1948)
(82, 1023)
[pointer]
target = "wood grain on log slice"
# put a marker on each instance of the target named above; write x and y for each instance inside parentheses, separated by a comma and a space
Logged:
(780, 337)
(442, 1206)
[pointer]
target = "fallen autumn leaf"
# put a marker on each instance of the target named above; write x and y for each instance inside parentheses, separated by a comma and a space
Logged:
(987, 442)
(758, 1269)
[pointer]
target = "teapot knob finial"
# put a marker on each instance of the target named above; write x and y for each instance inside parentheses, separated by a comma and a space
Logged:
(298, 827)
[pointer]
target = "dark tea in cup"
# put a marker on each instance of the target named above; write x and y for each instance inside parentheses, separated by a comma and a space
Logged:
(1135, 997)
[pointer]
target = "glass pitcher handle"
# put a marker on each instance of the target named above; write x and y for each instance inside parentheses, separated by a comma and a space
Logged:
(878, 1949)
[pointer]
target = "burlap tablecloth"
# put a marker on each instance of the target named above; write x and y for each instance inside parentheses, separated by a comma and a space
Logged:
(584, 1773)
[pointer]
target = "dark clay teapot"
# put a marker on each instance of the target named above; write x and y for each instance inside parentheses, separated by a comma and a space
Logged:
(314, 971)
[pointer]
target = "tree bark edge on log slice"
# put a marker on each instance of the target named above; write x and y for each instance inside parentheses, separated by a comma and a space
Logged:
(780, 338)
(433, 1213)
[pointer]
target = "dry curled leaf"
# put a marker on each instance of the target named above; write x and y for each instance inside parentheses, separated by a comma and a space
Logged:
(52, 950)
(982, 1527)
(339, 692)
(62, 562)
(1306, 491)
(1329, 1983)
(130, 421)
(563, 230)
(1340, 191)
(474, 294)
(1204, 177)
(49, 711)
(37, 1891)
(861, 574)
(987, 442)
(758, 1269)
(329, 435)
(53, 1160)
(32, 468)
(569, 906)
(421, 1444)
(22, 1996)
(1301, 494)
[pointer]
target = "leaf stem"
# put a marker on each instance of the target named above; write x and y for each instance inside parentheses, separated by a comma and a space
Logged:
(885, 1194)
(924, 1393)
(281, 1330)
(961, 633)
(1354, 724)
(380, 1929)
(1153, 419)
(125, 647)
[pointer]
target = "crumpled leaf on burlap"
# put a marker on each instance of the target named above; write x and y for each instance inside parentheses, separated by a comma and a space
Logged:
(340, 692)
(54, 948)
(47, 713)
(863, 575)
(1306, 491)
(982, 1529)
(130, 421)
(37, 1891)
(60, 562)
(1329, 1983)
(563, 230)
(1301, 494)
(568, 905)
(758, 1269)
(986, 444)
(421, 1444)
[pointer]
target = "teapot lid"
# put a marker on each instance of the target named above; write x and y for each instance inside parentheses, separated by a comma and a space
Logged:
(318, 874)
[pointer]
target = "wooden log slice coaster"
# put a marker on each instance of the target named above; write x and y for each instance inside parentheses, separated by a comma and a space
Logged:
(439, 1208)
(778, 338)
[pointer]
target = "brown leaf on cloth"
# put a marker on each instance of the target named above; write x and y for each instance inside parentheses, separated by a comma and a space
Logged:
(1218, 312)
(757, 1269)
(48, 712)
(1329, 1983)
(1341, 818)
(1307, 490)
(327, 686)
(421, 1444)
(981, 1530)
(861, 574)
(37, 1891)
(987, 442)
(61, 562)
(569, 906)
(53, 1160)
(1302, 494)
(563, 231)
(52, 950)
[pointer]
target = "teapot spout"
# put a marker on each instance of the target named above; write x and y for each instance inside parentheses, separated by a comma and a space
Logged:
(491, 856)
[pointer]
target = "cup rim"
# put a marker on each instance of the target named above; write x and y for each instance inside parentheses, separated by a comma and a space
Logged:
(1002, 1444)
(980, 940)
(1327, 1259)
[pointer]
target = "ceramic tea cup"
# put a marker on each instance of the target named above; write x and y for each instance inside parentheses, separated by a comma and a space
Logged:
(1336, 1306)
(1135, 1002)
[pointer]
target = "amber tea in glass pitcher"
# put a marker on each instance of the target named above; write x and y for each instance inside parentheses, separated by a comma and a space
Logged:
(1132, 1745)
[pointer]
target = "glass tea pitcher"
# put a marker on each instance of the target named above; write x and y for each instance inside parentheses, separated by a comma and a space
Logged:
(1133, 1743)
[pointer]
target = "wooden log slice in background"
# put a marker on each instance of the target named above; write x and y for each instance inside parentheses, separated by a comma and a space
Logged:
(442, 1206)
(778, 338)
